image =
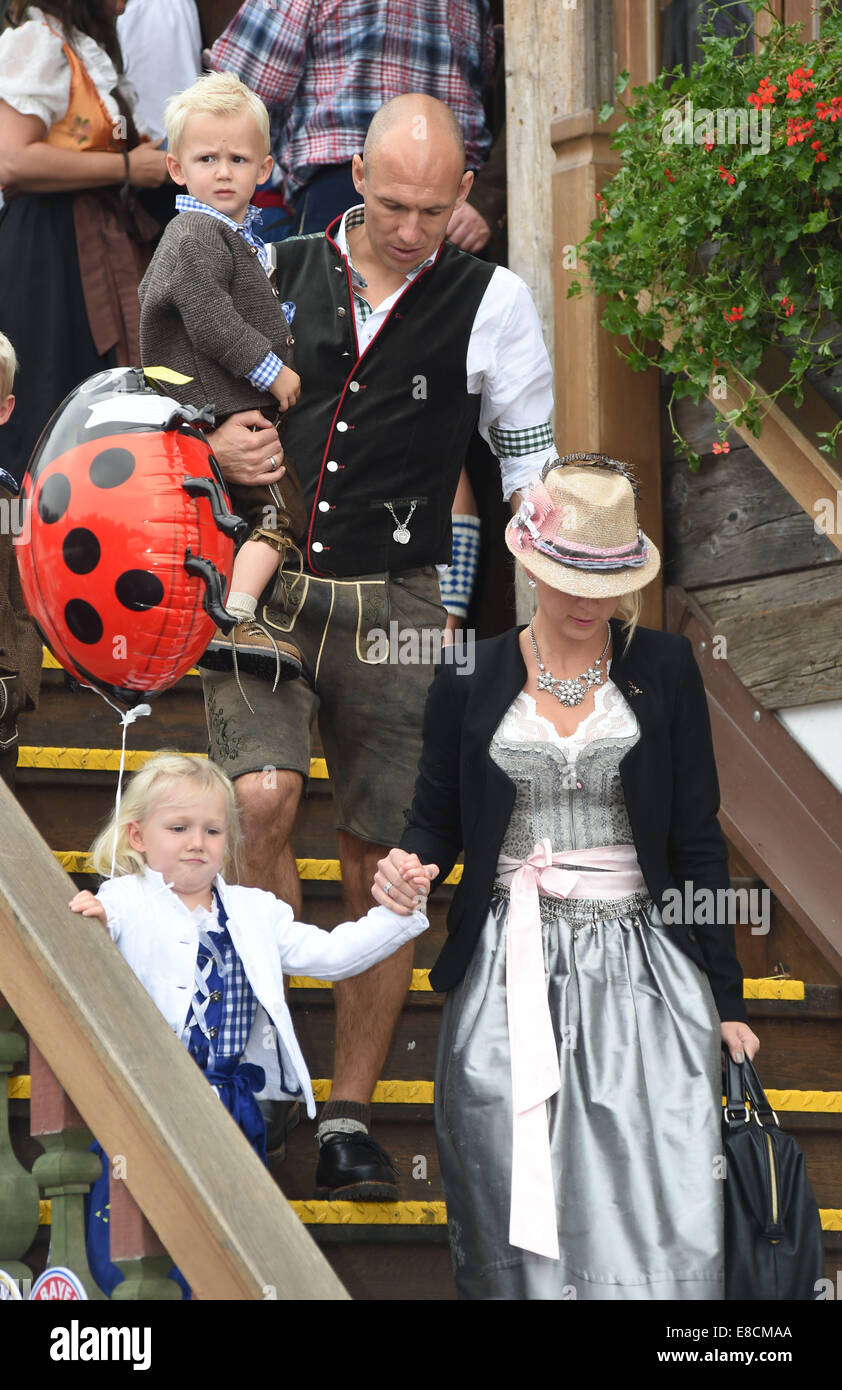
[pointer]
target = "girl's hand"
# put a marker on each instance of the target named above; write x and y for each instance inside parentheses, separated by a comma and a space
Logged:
(286, 388)
(407, 879)
(89, 906)
(739, 1039)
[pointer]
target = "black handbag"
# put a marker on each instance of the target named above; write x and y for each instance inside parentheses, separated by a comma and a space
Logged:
(773, 1234)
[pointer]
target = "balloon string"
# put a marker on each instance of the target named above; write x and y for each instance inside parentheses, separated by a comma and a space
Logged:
(125, 719)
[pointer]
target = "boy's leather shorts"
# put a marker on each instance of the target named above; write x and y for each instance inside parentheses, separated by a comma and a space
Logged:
(368, 647)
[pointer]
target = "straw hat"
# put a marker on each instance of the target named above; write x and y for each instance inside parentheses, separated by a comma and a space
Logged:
(577, 529)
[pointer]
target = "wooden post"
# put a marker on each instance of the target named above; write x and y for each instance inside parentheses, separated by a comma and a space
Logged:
(601, 404)
(18, 1189)
(136, 1250)
(66, 1171)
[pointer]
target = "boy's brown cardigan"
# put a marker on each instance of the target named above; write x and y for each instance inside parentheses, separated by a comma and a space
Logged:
(208, 310)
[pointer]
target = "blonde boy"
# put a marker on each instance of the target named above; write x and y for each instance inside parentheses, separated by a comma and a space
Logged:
(209, 311)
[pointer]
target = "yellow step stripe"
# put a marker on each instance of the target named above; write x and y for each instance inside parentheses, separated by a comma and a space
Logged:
(386, 1092)
(399, 1214)
(76, 861)
(420, 982)
(773, 988)
(753, 989)
(421, 1093)
(108, 760)
(49, 663)
(371, 1213)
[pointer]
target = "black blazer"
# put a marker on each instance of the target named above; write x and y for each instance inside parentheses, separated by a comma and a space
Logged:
(463, 800)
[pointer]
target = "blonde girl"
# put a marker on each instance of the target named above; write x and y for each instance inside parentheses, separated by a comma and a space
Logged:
(190, 936)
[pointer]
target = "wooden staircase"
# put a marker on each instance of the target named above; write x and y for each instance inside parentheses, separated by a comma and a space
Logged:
(66, 784)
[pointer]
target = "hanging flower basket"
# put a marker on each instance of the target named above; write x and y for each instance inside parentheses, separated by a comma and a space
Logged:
(719, 237)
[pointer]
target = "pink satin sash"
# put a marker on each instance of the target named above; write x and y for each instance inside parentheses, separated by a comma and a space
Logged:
(610, 871)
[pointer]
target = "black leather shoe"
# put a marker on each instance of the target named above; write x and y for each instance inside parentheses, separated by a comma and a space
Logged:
(353, 1168)
(281, 1118)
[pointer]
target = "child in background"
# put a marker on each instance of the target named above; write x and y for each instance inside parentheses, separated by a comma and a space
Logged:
(209, 311)
(20, 644)
(176, 827)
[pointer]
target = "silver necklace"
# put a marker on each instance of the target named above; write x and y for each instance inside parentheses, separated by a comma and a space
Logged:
(572, 691)
(401, 533)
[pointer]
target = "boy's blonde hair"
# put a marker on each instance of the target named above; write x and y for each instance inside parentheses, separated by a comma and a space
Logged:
(214, 94)
(8, 367)
(153, 784)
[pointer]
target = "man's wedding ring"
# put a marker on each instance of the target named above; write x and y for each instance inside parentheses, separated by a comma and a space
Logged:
(273, 463)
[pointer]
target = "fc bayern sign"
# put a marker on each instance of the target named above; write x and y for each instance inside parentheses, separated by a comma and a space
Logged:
(57, 1283)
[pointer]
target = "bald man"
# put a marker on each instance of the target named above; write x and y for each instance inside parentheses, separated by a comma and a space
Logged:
(403, 345)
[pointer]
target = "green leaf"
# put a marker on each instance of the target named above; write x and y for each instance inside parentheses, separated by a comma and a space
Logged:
(605, 110)
(621, 83)
(817, 220)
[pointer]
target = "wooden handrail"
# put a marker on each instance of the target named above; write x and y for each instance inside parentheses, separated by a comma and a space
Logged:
(187, 1165)
(778, 809)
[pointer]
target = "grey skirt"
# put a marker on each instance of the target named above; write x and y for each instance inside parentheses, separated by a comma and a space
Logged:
(635, 1129)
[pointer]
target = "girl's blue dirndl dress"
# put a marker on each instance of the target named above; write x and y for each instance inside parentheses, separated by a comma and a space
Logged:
(222, 1013)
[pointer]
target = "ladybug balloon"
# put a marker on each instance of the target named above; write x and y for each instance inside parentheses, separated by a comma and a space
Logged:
(129, 545)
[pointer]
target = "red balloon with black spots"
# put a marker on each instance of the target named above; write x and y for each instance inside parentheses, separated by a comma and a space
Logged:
(128, 545)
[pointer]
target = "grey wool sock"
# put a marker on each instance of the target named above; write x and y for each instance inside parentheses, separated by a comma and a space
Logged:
(241, 606)
(343, 1117)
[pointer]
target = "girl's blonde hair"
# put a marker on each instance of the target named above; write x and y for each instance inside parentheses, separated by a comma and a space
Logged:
(154, 783)
(8, 367)
(214, 94)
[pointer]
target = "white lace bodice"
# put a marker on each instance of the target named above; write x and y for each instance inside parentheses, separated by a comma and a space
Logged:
(568, 789)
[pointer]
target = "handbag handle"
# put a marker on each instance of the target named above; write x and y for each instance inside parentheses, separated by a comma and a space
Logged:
(742, 1083)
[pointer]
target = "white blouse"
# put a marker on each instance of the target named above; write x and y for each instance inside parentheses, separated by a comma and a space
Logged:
(35, 74)
(611, 717)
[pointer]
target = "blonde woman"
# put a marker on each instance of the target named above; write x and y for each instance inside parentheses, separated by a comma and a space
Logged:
(578, 1080)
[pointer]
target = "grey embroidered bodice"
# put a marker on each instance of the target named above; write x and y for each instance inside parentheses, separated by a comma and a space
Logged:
(568, 790)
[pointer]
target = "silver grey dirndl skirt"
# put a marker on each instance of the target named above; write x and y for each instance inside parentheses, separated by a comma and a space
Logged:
(635, 1129)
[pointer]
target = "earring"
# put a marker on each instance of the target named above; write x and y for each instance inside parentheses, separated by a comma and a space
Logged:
(531, 583)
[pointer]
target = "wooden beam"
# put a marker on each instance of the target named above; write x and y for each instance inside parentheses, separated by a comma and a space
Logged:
(601, 404)
(788, 442)
(778, 810)
(187, 1165)
(805, 13)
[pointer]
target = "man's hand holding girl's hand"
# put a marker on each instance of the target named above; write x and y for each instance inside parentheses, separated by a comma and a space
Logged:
(402, 882)
(89, 906)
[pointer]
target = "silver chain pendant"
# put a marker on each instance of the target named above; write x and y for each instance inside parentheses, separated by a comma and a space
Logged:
(401, 533)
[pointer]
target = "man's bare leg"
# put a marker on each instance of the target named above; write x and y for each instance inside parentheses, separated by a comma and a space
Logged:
(268, 802)
(367, 1005)
(367, 1009)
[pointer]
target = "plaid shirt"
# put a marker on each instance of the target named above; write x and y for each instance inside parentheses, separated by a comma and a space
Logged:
(323, 69)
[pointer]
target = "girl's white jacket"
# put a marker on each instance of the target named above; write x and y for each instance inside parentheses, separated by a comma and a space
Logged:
(158, 936)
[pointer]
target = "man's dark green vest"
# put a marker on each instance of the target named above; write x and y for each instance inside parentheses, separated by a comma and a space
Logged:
(390, 426)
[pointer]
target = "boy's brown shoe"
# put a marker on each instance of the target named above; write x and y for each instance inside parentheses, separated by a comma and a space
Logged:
(249, 648)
